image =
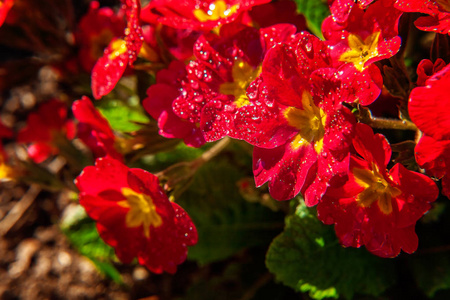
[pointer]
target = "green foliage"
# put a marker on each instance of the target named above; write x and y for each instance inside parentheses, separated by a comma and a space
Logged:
(430, 266)
(308, 258)
(315, 12)
(241, 277)
(226, 223)
(162, 160)
(82, 234)
(122, 115)
(432, 272)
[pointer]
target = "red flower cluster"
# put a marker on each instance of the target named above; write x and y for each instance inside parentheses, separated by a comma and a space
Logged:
(290, 95)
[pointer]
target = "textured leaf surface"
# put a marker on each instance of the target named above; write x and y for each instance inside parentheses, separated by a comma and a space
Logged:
(308, 258)
(82, 234)
(121, 115)
(226, 223)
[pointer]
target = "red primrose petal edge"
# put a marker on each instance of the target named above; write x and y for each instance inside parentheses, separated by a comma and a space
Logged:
(119, 53)
(428, 103)
(94, 130)
(158, 104)
(196, 14)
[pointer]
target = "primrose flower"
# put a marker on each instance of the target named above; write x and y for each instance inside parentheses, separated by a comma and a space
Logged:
(296, 121)
(215, 89)
(197, 14)
(119, 54)
(367, 36)
(377, 208)
(426, 106)
(95, 30)
(94, 130)
(45, 129)
(134, 215)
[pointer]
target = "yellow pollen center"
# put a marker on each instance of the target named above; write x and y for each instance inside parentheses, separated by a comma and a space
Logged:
(6, 172)
(376, 188)
(243, 74)
(216, 10)
(310, 122)
(118, 48)
(142, 211)
(361, 51)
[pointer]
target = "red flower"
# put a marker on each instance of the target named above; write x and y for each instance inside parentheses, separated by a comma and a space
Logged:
(434, 156)
(438, 11)
(366, 37)
(426, 69)
(426, 108)
(297, 116)
(135, 216)
(340, 9)
(95, 30)
(158, 104)
(427, 105)
(377, 208)
(44, 128)
(94, 130)
(215, 90)
(119, 54)
(196, 14)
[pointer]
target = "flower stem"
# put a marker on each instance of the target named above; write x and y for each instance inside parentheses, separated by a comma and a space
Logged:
(365, 116)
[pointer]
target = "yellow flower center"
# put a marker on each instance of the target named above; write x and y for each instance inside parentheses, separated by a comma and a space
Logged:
(361, 51)
(142, 211)
(243, 75)
(310, 122)
(216, 10)
(118, 48)
(6, 172)
(376, 188)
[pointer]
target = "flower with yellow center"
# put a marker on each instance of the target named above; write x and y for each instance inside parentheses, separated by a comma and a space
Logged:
(376, 188)
(310, 122)
(243, 74)
(118, 47)
(217, 10)
(361, 50)
(142, 211)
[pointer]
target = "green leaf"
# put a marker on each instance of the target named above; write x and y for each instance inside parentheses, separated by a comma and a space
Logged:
(315, 11)
(121, 115)
(308, 258)
(226, 223)
(83, 235)
(432, 272)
